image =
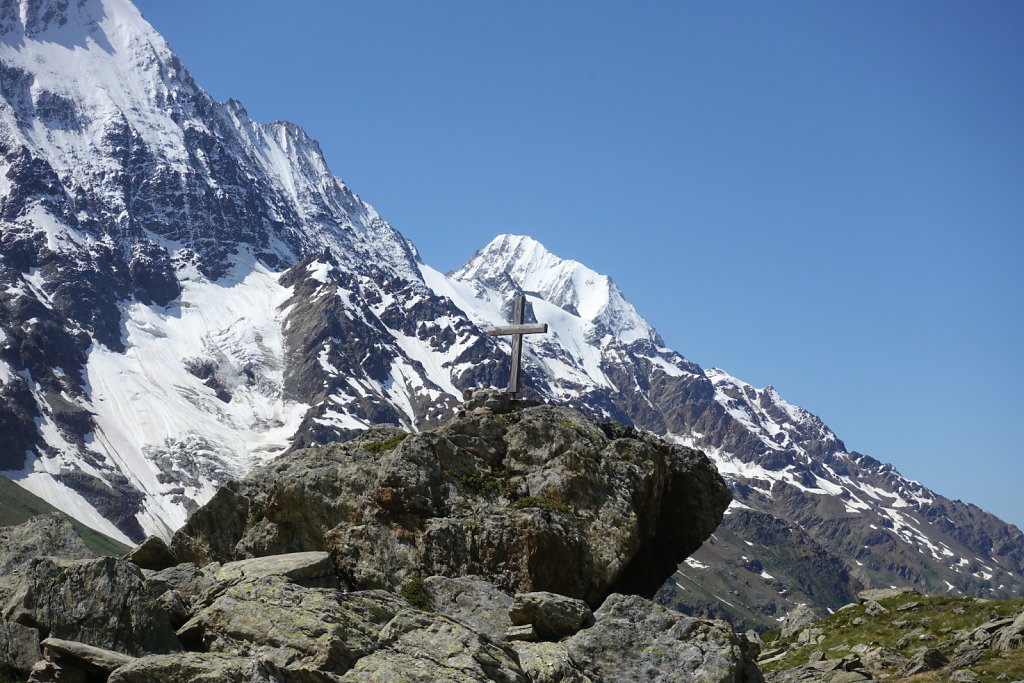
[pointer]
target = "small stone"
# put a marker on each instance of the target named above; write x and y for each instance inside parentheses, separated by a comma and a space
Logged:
(152, 553)
(816, 656)
(873, 608)
(91, 658)
(826, 665)
(526, 633)
(926, 660)
(313, 569)
(907, 606)
(46, 671)
(851, 662)
(799, 618)
(554, 616)
(965, 659)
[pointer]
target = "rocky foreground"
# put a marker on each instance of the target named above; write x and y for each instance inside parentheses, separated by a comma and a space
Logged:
(513, 544)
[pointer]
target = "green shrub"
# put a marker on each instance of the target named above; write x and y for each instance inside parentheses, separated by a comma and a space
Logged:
(382, 447)
(416, 593)
(480, 485)
(543, 503)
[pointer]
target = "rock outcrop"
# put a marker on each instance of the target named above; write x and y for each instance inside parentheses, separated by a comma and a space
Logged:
(538, 499)
(475, 552)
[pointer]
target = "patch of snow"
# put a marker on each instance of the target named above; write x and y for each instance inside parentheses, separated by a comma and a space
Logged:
(319, 270)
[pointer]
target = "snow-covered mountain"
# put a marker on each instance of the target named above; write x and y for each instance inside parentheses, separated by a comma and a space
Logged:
(186, 293)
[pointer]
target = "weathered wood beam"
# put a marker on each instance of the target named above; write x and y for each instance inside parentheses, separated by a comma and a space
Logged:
(517, 329)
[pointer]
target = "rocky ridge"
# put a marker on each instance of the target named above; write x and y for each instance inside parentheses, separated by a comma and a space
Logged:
(333, 614)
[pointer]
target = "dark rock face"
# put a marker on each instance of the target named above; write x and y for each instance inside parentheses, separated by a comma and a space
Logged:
(19, 649)
(50, 535)
(553, 616)
(535, 500)
(98, 602)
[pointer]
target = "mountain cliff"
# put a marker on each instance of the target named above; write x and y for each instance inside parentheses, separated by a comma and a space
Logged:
(186, 294)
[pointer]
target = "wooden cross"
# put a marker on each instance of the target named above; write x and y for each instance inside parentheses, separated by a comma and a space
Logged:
(517, 329)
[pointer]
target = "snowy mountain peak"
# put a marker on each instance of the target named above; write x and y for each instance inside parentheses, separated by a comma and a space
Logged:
(514, 264)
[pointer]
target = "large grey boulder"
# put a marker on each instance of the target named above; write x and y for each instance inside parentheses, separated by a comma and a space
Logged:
(101, 602)
(634, 639)
(477, 603)
(291, 626)
(196, 667)
(417, 647)
(537, 500)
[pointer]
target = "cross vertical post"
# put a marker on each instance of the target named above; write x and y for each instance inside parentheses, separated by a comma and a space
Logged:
(519, 308)
(516, 330)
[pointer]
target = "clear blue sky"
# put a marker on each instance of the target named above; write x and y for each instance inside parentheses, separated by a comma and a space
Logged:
(823, 196)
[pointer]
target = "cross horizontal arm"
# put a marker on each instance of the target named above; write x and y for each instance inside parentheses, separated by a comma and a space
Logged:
(517, 329)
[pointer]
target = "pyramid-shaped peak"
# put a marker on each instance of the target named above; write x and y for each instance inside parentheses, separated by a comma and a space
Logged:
(514, 264)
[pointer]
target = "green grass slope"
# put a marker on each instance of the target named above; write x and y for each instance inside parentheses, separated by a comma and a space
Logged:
(913, 622)
(18, 505)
